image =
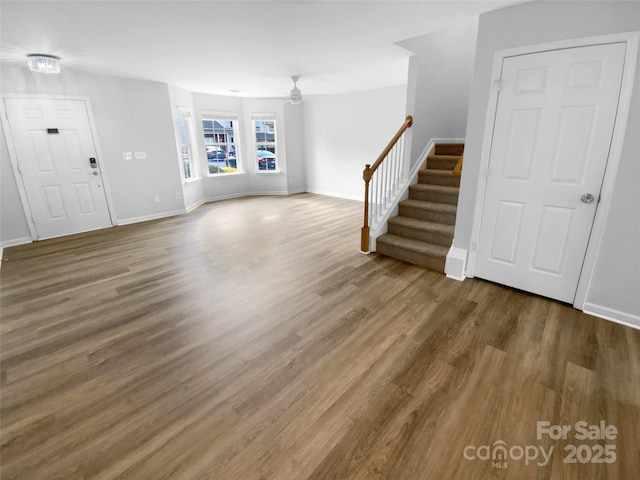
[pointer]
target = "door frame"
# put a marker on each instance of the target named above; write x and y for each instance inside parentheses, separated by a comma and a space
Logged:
(13, 156)
(615, 151)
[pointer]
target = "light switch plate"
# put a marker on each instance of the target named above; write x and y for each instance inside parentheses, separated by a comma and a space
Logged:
(141, 155)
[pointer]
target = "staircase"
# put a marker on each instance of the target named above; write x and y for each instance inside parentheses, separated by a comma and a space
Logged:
(423, 230)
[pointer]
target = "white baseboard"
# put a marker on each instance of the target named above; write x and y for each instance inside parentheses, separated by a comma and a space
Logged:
(218, 198)
(373, 237)
(15, 241)
(147, 218)
(270, 192)
(192, 207)
(623, 318)
(336, 195)
(456, 263)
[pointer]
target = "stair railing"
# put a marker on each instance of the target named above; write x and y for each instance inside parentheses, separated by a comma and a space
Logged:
(382, 181)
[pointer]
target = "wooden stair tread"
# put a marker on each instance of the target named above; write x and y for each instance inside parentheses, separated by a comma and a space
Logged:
(419, 224)
(434, 188)
(453, 158)
(436, 176)
(436, 171)
(449, 148)
(423, 230)
(416, 246)
(436, 207)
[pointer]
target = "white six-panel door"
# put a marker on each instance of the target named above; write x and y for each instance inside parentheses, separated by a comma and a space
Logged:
(553, 127)
(53, 143)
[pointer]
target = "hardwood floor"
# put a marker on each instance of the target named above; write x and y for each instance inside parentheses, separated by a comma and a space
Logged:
(251, 340)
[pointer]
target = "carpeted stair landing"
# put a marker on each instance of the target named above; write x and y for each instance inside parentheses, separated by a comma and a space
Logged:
(423, 230)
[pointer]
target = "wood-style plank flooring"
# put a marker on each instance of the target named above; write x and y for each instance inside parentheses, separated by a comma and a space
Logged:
(250, 339)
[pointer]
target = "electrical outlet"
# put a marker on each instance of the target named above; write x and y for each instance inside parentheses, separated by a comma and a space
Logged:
(156, 198)
(178, 196)
(127, 156)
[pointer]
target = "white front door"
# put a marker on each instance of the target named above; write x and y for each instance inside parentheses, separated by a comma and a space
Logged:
(58, 165)
(553, 127)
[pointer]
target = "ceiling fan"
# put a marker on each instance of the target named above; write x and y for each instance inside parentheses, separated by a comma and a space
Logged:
(295, 95)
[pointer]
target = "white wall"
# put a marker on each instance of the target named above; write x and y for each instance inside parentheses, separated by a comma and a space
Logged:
(216, 187)
(344, 132)
(439, 82)
(251, 181)
(13, 224)
(294, 140)
(130, 116)
(192, 192)
(265, 183)
(616, 279)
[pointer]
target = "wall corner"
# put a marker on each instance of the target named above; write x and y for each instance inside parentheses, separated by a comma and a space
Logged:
(455, 263)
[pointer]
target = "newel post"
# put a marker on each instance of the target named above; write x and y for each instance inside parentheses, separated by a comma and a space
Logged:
(364, 235)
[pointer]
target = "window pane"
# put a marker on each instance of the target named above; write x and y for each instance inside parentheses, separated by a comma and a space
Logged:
(186, 161)
(266, 157)
(261, 134)
(219, 140)
(183, 132)
(265, 137)
(185, 149)
(265, 131)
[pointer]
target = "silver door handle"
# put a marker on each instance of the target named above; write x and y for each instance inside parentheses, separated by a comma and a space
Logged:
(587, 198)
(94, 173)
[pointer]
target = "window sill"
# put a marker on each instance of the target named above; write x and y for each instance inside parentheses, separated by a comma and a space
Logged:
(191, 180)
(225, 174)
(268, 172)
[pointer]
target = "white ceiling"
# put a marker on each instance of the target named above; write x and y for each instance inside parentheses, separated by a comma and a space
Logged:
(245, 48)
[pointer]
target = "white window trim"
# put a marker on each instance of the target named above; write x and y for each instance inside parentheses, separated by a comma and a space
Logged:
(258, 117)
(212, 114)
(193, 152)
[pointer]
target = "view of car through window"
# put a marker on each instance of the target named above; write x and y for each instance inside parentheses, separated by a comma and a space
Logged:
(265, 137)
(266, 160)
(219, 138)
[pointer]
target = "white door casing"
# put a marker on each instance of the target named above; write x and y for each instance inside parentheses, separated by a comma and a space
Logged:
(53, 143)
(552, 133)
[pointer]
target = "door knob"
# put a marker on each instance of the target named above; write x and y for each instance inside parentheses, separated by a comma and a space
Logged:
(587, 198)
(96, 173)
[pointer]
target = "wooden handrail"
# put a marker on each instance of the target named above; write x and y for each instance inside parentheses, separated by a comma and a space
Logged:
(368, 173)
